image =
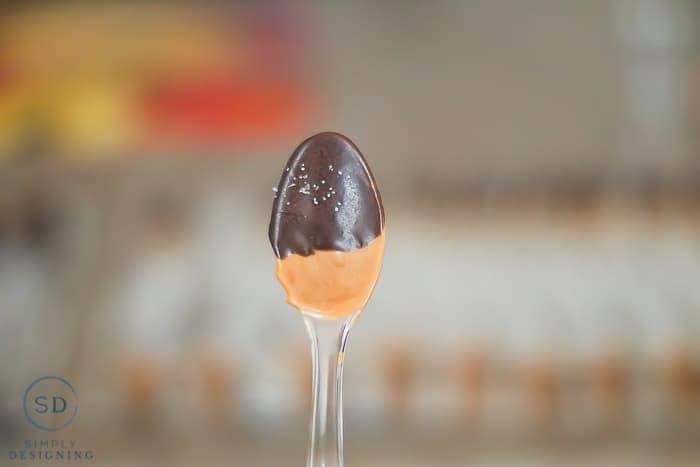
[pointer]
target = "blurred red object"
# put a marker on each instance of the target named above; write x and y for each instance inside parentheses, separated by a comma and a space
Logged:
(225, 111)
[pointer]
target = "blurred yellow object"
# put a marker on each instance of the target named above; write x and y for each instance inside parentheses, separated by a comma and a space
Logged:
(41, 43)
(76, 118)
(95, 118)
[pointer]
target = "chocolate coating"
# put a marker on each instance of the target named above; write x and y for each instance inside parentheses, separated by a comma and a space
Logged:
(326, 199)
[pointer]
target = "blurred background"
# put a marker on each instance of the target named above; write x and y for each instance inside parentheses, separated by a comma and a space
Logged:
(540, 167)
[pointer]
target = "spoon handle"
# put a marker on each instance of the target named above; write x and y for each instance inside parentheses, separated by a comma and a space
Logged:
(328, 340)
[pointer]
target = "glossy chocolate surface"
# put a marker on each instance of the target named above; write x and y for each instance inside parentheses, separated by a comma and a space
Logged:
(326, 199)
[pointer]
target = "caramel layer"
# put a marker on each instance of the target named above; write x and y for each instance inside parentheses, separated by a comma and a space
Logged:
(332, 283)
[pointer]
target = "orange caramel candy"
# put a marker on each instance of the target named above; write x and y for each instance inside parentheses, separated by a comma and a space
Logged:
(332, 283)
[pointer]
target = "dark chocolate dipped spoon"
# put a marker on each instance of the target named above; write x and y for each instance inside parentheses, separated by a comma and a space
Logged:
(327, 233)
